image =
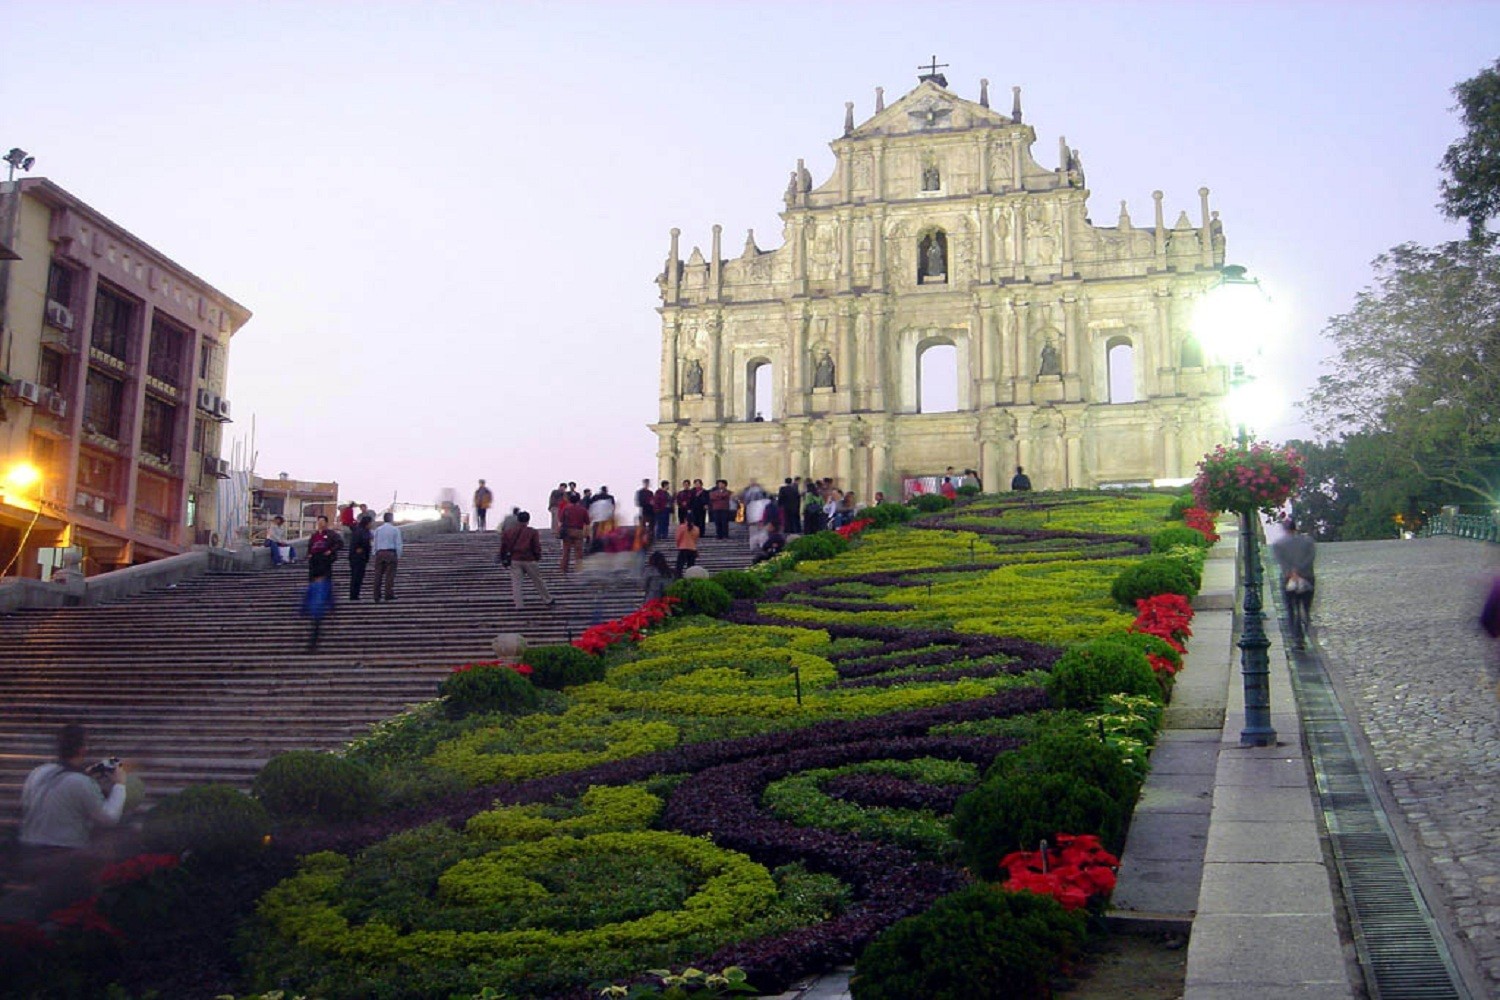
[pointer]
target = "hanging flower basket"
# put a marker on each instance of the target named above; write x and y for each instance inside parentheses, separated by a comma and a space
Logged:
(1242, 479)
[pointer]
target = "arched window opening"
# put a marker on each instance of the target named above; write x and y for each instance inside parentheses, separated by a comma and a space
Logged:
(932, 258)
(937, 378)
(1121, 364)
(760, 399)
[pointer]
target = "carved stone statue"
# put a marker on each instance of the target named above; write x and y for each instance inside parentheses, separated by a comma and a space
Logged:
(934, 261)
(1049, 361)
(931, 179)
(823, 372)
(692, 378)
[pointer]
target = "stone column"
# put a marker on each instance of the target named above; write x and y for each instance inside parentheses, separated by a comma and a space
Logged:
(986, 240)
(1167, 359)
(989, 356)
(1015, 162)
(984, 162)
(796, 362)
(131, 420)
(874, 369)
(1161, 233)
(844, 372)
(674, 271)
(715, 266)
(713, 388)
(877, 268)
(1077, 357)
(846, 250)
(1205, 232)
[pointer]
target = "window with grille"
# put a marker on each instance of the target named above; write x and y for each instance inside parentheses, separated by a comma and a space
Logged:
(158, 424)
(103, 401)
(113, 316)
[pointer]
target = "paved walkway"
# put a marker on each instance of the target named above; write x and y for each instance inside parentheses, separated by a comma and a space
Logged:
(1396, 623)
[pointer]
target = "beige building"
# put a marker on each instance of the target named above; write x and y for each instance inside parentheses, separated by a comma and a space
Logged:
(939, 231)
(114, 359)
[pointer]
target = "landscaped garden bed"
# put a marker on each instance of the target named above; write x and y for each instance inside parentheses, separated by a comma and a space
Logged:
(768, 790)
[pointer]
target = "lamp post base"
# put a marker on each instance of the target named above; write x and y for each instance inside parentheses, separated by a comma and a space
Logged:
(1254, 661)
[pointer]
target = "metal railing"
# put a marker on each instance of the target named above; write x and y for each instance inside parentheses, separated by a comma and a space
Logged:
(1480, 527)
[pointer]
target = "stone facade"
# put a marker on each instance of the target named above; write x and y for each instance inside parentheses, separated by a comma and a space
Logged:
(938, 227)
(116, 359)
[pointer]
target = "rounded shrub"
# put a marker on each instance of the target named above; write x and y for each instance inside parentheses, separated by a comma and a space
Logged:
(1151, 576)
(305, 784)
(217, 823)
(822, 545)
(1180, 504)
(1075, 750)
(1084, 675)
(931, 503)
(979, 942)
(886, 514)
(560, 666)
(1017, 812)
(700, 597)
(968, 490)
(740, 584)
(484, 689)
(1169, 538)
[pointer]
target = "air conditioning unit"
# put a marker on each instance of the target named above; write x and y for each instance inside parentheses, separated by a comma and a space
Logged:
(27, 392)
(221, 409)
(207, 401)
(217, 466)
(59, 315)
(57, 405)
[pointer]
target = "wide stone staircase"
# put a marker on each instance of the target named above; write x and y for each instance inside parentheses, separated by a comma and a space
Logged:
(207, 679)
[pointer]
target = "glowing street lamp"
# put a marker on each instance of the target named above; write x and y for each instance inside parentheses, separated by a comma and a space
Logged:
(1232, 322)
(22, 476)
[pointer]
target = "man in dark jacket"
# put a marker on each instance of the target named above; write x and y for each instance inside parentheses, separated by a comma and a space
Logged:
(789, 502)
(359, 554)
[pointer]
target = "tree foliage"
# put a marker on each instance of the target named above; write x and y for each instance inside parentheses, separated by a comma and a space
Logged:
(1471, 191)
(1418, 367)
(1357, 488)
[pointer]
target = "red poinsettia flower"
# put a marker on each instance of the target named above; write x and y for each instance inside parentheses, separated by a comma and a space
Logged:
(136, 868)
(84, 916)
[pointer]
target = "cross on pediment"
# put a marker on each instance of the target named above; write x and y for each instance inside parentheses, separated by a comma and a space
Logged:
(931, 73)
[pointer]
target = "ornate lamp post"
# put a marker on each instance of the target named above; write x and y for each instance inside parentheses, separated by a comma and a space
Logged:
(1232, 322)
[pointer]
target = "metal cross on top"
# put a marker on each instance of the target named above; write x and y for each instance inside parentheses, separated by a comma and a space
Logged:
(931, 73)
(932, 70)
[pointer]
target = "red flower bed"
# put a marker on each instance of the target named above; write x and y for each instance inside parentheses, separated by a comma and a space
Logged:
(136, 868)
(630, 628)
(1202, 521)
(1166, 616)
(84, 915)
(519, 668)
(1076, 872)
(854, 527)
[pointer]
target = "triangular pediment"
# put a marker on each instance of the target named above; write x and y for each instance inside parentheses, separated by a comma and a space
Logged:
(929, 108)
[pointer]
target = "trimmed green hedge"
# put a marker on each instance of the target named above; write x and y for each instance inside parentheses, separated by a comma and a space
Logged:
(1151, 576)
(306, 784)
(700, 597)
(1087, 673)
(483, 690)
(559, 666)
(979, 942)
(217, 823)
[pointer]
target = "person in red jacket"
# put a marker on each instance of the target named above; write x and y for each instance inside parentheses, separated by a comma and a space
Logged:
(573, 524)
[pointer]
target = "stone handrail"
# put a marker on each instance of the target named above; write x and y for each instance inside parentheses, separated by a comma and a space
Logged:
(18, 593)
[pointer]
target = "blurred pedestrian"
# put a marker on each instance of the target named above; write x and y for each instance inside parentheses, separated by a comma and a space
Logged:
(483, 498)
(688, 534)
(661, 506)
(573, 521)
(1296, 553)
(657, 577)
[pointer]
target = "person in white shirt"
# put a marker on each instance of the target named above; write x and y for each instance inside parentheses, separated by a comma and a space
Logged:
(61, 804)
(388, 547)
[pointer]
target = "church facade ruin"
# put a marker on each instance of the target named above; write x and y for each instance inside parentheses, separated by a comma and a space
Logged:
(939, 230)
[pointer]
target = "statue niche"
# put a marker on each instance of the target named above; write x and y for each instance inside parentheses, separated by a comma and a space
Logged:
(692, 378)
(932, 259)
(932, 179)
(823, 372)
(1049, 365)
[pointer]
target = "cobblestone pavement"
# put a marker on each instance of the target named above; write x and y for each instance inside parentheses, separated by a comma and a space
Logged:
(1397, 625)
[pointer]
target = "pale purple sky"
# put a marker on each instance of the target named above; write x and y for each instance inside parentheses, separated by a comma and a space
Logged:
(447, 217)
